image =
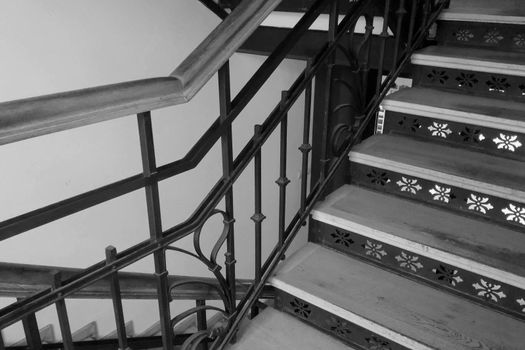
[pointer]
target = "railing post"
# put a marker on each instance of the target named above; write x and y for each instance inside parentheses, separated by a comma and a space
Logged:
(258, 216)
(401, 12)
(283, 181)
(332, 31)
(31, 331)
(63, 320)
(227, 165)
(382, 48)
(155, 225)
(116, 297)
(306, 147)
(201, 321)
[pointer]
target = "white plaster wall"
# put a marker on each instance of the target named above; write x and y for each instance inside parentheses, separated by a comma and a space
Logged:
(59, 45)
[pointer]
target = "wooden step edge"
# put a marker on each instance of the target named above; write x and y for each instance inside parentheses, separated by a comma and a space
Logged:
(477, 267)
(454, 115)
(478, 65)
(348, 315)
(438, 176)
(460, 16)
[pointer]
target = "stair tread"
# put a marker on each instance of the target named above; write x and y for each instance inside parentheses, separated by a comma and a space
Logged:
(468, 58)
(486, 15)
(489, 112)
(479, 246)
(414, 315)
(273, 329)
(475, 171)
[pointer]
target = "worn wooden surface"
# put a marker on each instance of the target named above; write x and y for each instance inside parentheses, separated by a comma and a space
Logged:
(22, 280)
(273, 329)
(412, 314)
(482, 173)
(26, 118)
(478, 246)
(223, 42)
(468, 109)
(473, 59)
(510, 15)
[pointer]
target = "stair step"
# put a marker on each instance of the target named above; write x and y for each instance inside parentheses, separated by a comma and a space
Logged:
(430, 236)
(485, 15)
(273, 329)
(472, 59)
(491, 125)
(476, 183)
(475, 110)
(395, 308)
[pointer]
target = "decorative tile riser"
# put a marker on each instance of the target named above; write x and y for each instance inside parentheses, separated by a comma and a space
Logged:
(489, 292)
(471, 82)
(501, 143)
(508, 37)
(444, 195)
(344, 330)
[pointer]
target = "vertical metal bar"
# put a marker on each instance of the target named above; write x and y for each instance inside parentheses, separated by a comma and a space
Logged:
(2, 344)
(413, 14)
(283, 181)
(227, 165)
(258, 216)
(116, 297)
(201, 321)
(401, 12)
(31, 331)
(155, 225)
(382, 48)
(63, 320)
(332, 31)
(426, 12)
(306, 147)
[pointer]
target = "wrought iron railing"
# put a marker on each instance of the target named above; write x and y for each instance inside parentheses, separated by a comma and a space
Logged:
(405, 25)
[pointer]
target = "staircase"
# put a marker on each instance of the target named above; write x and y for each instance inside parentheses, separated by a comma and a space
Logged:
(425, 248)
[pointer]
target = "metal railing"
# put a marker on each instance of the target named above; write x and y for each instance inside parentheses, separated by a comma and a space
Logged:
(408, 29)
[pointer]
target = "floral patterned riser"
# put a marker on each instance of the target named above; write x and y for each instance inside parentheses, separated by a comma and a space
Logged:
(333, 325)
(509, 37)
(497, 142)
(472, 202)
(488, 84)
(499, 295)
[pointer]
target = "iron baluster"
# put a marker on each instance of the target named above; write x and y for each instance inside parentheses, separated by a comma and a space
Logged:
(201, 322)
(426, 12)
(401, 12)
(384, 36)
(258, 216)
(332, 32)
(155, 224)
(283, 181)
(2, 344)
(32, 332)
(227, 165)
(116, 298)
(413, 14)
(63, 320)
(306, 147)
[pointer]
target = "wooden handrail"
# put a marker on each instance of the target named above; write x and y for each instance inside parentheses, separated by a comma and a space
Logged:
(24, 280)
(27, 118)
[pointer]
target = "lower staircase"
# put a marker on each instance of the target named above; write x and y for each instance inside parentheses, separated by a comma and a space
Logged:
(425, 247)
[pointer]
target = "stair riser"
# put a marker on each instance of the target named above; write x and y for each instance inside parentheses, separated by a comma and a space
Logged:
(493, 85)
(440, 194)
(344, 330)
(501, 143)
(495, 36)
(422, 268)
